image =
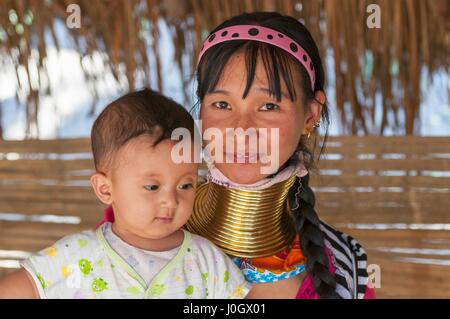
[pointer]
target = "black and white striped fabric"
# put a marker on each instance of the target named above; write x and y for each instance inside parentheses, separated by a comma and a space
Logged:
(350, 261)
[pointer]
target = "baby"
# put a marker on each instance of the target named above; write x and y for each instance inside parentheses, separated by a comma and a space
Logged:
(145, 253)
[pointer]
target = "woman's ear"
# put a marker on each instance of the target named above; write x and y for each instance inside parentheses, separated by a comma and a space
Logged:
(102, 187)
(314, 111)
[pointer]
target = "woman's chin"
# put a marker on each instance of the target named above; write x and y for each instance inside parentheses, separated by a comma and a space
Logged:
(242, 173)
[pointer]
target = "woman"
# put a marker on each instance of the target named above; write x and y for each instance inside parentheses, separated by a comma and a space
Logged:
(263, 70)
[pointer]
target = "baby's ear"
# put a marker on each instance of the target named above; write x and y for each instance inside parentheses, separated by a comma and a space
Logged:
(102, 187)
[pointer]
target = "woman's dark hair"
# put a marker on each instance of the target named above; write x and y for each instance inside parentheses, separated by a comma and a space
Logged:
(280, 65)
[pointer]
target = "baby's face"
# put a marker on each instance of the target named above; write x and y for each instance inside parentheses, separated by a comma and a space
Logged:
(152, 196)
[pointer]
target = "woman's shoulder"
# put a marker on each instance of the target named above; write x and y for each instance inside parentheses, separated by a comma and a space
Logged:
(350, 261)
(341, 241)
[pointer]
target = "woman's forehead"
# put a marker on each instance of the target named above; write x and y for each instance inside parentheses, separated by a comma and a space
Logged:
(238, 77)
(234, 77)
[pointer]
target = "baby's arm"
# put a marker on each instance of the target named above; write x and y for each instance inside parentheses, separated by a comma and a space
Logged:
(18, 285)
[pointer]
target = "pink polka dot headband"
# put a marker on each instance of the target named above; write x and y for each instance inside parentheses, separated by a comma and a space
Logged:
(261, 34)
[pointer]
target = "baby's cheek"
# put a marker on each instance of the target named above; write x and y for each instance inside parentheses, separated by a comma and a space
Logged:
(141, 213)
(148, 210)
(185, 210)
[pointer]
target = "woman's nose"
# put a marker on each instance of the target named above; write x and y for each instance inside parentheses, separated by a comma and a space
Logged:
(244, 120)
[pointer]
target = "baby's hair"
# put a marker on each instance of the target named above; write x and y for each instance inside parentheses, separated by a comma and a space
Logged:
(144, 112)
(279, 66)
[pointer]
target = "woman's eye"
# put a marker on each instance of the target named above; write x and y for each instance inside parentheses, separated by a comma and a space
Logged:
(151, 187)
(186, 186)
(269, 107)
(222, 105)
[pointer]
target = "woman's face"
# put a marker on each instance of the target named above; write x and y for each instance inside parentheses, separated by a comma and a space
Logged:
(225, 108)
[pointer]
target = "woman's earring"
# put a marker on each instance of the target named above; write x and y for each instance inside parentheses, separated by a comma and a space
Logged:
(315, 126)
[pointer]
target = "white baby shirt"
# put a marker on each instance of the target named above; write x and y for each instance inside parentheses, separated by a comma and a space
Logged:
(85, 265)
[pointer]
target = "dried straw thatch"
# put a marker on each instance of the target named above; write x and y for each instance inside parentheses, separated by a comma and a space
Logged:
(385, 62)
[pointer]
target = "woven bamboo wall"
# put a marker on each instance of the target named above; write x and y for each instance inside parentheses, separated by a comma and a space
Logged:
(390, 193)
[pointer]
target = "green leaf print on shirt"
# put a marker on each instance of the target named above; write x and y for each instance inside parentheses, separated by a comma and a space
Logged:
(157, 289)
(205, 276)
(82, 243)
(85, 266)
(189, 290)
(41, 280)
(226, 276)
(134, 290)
(99, 285)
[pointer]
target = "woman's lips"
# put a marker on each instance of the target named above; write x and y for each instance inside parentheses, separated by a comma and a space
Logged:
(242, 158)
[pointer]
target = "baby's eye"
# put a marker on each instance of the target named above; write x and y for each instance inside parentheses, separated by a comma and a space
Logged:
(151, 187)
(222, 105)
(269, 107)
(186, 186)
